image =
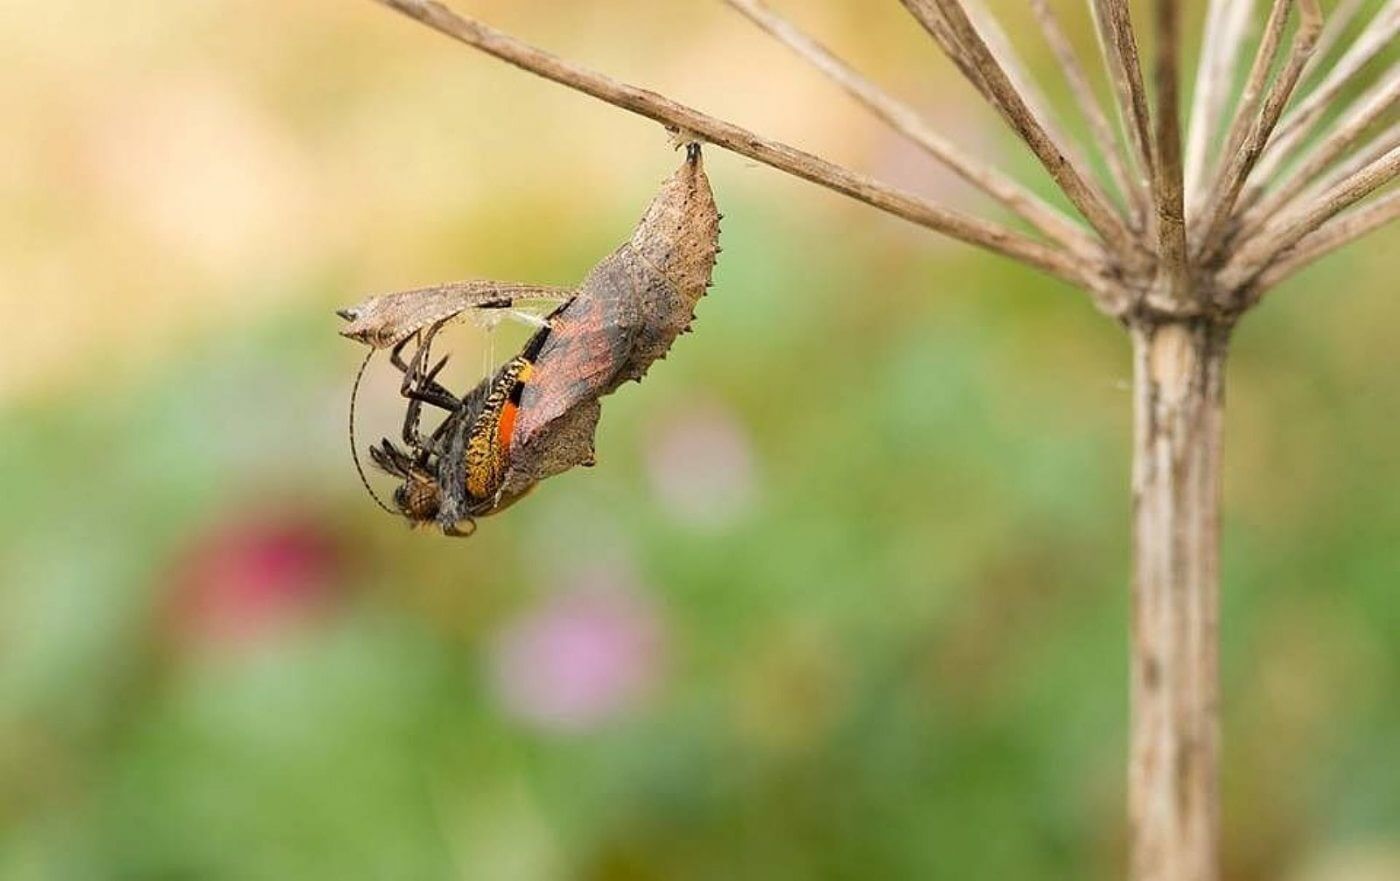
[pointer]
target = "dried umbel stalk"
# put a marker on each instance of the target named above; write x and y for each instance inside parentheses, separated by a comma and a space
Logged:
(1208, 216)
(536, 416)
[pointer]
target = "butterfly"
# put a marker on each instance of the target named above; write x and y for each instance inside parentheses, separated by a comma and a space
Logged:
(535, 416)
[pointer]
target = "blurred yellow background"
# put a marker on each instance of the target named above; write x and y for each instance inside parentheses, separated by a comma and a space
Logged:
(846, 595)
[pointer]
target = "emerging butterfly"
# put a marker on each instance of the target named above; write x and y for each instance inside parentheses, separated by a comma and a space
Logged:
(535, 416)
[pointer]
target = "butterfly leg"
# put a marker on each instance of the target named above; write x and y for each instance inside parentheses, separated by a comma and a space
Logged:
(422, 392)
(413, 377)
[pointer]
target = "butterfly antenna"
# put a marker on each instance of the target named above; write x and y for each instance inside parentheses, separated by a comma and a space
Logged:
(354, 446)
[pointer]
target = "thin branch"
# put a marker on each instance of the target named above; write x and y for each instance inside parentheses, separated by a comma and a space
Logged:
(1024, 82)
(1167, 180)
(937, 27)
(1383, 144)
(1253, 95)
(905, 120)
(1115, 31)
(1089, 107)
(1351, 128)
(731, 137)
(1337, 22)
(1337, 232)
(1259, 112)
(1226, 24)
(1295, 127)
(1292, 225)
(990, 30)
(1086, 197)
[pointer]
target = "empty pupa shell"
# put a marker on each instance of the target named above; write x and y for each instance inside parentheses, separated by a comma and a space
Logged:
(626, 314)
(388, 319)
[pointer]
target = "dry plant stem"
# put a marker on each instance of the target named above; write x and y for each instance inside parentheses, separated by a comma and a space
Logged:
(1253, 95)
(1089, 107)
(1119, 45)
(1355, 164)
(1337, 21)
(1337, 232)
(1091, 202)
(905, 120)
(938, 28)
(1378, 100)
(999, 45)
(731, 137)
(1259, 111)
(1292, 225)
(1372, 41)
(1167, 193)
(1294, 128)
(1174, 763)
(1025, 84)
(1178, 360)
(1383, 144)
(1226, 24)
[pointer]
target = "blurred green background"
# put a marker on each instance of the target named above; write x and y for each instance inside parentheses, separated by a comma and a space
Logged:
(845, 597)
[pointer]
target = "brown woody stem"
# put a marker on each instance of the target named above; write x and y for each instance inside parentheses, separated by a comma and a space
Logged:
(1004, 53)
(1297, 222)
(1335, 233)
(1119, 44)
(1168, 198)
(1174, 770)
(1089, 108)
(1294, 128)
(1226, 24)
(1007, 99)
(1350, 127)
(1259, 111)
(731, 137)
(1179, 341)
(905, 120)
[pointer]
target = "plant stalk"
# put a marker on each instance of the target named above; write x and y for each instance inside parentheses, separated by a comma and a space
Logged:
(1174, 750)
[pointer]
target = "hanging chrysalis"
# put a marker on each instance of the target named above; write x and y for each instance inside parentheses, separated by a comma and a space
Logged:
(536, 415)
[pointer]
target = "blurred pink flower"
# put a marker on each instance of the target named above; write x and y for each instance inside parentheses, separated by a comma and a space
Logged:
(252, 577)
(580, 657)
(701, 466)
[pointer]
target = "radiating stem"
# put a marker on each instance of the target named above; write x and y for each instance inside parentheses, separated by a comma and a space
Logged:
(1335, 233)
(905, 120)
(1089, 107)
(722, 133)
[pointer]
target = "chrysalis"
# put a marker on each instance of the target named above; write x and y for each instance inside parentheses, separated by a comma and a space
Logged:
(536, 416)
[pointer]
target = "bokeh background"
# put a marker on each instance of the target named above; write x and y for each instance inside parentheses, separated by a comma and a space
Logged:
(845, 597)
